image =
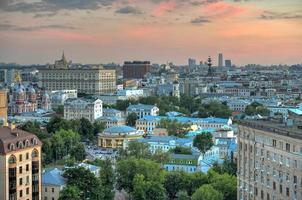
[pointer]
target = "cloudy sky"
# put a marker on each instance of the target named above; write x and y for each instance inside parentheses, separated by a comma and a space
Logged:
(101, 31)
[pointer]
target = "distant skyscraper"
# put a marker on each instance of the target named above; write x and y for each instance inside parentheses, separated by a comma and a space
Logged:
(220, 60)
(228, 63)
(210, 70)
(192, 64)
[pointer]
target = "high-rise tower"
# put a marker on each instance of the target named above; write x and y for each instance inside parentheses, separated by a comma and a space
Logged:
(210, 70)
(220, 60)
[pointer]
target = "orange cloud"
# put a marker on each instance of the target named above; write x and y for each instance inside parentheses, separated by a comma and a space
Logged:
(223, 10)
(163, 8)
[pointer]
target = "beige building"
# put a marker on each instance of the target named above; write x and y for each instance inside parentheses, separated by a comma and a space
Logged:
(52, 184)
(90, 109)
(88, 80)
(269, 161)
(20, 161)
(117, 137)
(3, 106)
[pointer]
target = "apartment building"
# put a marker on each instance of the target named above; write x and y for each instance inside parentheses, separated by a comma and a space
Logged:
(78, 108)
(269, 160)
(3, 106)
(87, 80)
(20, 161)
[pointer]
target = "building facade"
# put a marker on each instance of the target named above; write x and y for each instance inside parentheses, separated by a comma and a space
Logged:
(52, 184)
(142, 110)
(90, 109)
(3, 106)
(269, 161)
(88, 80)
(136, 69)
(117, 137)
(20, 161)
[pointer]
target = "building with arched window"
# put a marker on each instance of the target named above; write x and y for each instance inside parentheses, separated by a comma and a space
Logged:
(20, 161)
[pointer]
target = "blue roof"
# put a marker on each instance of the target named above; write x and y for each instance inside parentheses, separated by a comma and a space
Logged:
(296, 111)
(120, 129)
(187, 119)
(53, 177)
(111, 110)
(166, 139)
(140, 106)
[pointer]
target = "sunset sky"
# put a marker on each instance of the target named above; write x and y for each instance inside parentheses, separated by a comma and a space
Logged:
(102, 31)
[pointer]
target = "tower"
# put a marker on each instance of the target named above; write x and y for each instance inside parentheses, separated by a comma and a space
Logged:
(210, 70)
(176, 92)
(220, 60)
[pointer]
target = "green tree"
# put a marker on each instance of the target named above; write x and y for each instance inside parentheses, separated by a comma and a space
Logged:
(228, 166)
(135, 149)
(57, 123)
(207, 192)
(90, 186)
(86, 129)
(214, 109)
(256, 108)
(147, 190)
(183, 195)
(131, 119)
(203, 142)
(70, 192)
(34, 127)
(60, 110)
(174, 127)
(174, 182)
(57, 146)
(181, 150)
(224, 183)
(107, 177)
(126, 170)
(78, 152)
(98, 127)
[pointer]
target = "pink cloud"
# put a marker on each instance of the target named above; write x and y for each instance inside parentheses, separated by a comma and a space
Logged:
(163, 8)
(223, 10)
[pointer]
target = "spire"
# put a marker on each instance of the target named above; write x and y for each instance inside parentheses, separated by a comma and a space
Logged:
(63, 56)
(210, 71)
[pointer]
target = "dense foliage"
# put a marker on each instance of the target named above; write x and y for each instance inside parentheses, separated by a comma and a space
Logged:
(256, 108)
(203, 142)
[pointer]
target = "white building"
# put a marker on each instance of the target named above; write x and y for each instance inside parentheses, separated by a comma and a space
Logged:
(90, 109)
(142, 110)
(58, 97)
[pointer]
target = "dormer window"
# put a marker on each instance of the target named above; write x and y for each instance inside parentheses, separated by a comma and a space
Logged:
(11, 147)
(20, 145)
(26, 143)
(12, 159)
(34, 141)
(34, 153)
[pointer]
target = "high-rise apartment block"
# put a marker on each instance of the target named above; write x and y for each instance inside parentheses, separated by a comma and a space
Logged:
(269, 160)
(136, 69)
(220, 60)
(88, 80)
(228, 63)
(20, 161)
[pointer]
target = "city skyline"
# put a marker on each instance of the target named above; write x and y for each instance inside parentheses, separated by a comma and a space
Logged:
(102, 31)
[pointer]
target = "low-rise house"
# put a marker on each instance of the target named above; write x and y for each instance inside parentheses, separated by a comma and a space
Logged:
(142, 110)
(52, 183)
(184, 162)
(165, 143)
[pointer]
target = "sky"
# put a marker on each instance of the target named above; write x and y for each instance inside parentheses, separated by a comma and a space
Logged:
(103, 31)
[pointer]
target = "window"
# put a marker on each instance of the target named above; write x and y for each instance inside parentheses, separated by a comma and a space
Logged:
(27, 167)
(21, 193)
(274, 185)
(52, 190)
(45, 189)
(287, 146)
(27, 156)
(280, 189)
(20, 170)
(20, 157)
(27, 180)
(20, 181)
(27, 191)
(274, 143)
(287, 191)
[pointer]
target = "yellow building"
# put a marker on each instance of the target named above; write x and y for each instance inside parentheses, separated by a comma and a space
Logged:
(20, 161)
(88, 80)
(117, 137)
(3, 106)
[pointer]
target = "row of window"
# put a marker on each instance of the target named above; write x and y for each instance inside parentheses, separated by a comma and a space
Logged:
(22, 144)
